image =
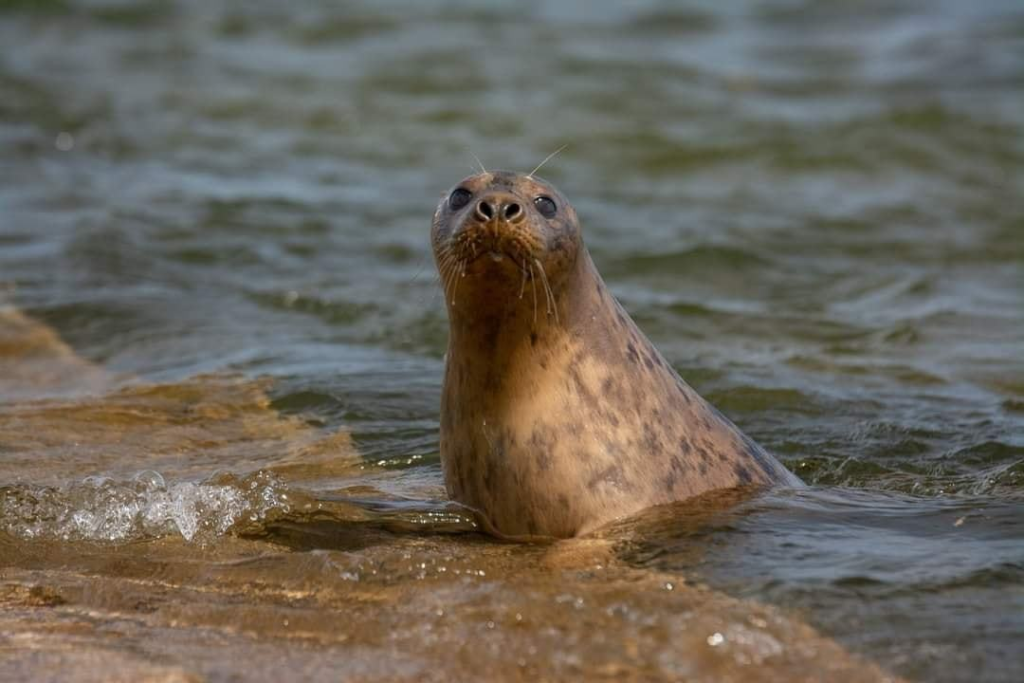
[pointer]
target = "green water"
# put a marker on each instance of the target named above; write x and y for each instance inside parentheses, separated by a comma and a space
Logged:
(814, 210)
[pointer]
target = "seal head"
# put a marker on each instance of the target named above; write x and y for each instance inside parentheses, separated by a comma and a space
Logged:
(557, 414)
(502, 230)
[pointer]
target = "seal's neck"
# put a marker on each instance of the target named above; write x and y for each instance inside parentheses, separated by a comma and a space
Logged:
(497, 319)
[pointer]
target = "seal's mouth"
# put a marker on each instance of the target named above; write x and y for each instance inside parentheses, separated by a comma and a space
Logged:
(481, 251)
(490, 255)
(501, 258)
(495, 253)
(497, 262)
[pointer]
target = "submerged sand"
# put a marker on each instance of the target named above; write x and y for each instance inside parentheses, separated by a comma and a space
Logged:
(188, 532)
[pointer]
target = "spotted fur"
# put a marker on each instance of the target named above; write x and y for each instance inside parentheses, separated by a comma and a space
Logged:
(554, 422)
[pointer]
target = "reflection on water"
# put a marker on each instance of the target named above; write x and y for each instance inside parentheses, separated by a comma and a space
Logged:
(218, 454)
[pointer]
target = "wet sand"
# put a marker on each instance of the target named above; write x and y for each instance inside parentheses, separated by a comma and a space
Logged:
(136, 576)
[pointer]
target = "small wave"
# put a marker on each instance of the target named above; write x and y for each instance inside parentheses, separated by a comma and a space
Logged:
(1004, 478)
(746, 398)
(101, 509)
(710, 257)
(330, 312)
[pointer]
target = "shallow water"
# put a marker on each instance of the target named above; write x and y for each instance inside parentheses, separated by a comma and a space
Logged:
(219, 214)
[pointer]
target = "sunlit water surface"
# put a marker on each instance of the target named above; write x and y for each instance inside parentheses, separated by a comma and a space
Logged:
(221, 357)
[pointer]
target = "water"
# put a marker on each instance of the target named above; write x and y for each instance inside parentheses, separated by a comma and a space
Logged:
(221, 357)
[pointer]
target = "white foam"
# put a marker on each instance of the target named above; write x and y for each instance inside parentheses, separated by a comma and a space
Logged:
(100, 509)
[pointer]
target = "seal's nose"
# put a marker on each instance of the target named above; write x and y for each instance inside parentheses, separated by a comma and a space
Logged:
(505, 207)
(484, 210)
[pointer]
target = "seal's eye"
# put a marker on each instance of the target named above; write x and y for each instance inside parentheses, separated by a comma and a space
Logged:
(546, 206)
(459, 198)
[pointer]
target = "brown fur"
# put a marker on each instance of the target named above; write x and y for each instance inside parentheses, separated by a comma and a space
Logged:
(554, 422)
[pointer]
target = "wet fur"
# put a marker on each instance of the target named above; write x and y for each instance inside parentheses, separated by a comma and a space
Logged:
(554, 422)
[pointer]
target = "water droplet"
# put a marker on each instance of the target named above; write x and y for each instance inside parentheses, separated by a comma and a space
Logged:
(716, 639)
(150, 479)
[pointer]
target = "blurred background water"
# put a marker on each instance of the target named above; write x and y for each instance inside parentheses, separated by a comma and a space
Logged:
(814, 209)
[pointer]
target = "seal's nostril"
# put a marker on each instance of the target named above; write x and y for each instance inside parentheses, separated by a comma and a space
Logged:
(485, 210)
(512, 210)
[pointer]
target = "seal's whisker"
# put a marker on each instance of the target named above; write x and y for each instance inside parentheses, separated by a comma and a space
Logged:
(546, 160)
(439, 275)
(446, 250)
(441, 251)
(454, 275)
(445, 280)
(419, 269)
(442, 260)
(522, 285)
(422, 294)
(433, 297)
(461, 274)
(446, 258)
(533, 288)
(453, 286)
(447, 266)
(449, 254)
(435, 281)
(443, 265)
(484, 170)
(552, 306)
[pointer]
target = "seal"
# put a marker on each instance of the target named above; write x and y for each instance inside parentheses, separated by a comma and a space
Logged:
(557, 413)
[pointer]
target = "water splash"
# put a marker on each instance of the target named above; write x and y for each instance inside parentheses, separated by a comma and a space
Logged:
(102, 509)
